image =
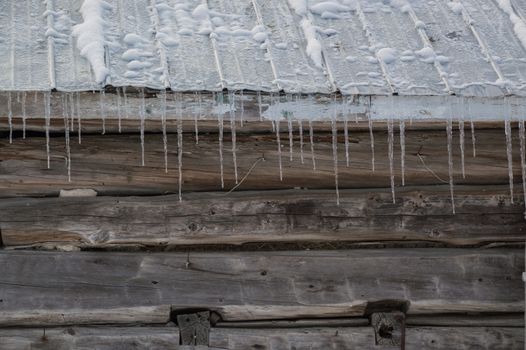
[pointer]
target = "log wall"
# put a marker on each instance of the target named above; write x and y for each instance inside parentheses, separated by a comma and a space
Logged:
(277, 262)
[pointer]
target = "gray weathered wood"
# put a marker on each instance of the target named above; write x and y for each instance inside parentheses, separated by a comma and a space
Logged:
(484, 215)
(39, 288)
(110, 164)
(338, 338)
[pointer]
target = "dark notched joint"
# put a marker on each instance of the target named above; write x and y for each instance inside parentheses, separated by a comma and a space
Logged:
(389, 329)
(194, 325)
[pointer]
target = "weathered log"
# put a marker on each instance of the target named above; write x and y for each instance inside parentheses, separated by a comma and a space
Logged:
(483, 216)
(340, 338)
(44, 288)
(111, 164)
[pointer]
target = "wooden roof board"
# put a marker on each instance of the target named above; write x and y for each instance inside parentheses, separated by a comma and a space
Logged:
(480, 51)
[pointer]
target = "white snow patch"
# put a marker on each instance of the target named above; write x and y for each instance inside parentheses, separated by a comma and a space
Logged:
(427, 54)
(91, 37)
(387, 55)
(328, 7)
(519, 26)
(299, 6)
(456, 7)
(313, 48)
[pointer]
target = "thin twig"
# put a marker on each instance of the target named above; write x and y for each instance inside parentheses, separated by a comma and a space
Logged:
(428, 169)
(248, 173)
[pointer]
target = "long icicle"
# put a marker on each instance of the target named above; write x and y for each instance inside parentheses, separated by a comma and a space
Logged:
(10, 116)
(507, 127)
(449, 131)
(66, 134)
(142, 111)
(47, 107)
(102, 95)
(311, 138)
(72, 111)
(24, 116)
(461, 137)
(291, 136)
(335, 156)
(523, 160)
(79, 118)
(346, 136)
(197, 116)
(180, 147)
(163, 123)
(220, 126)
(279, 151)
(233, 136)
(119, 109)
(402, 149)
(472, 125)
(300, 127)
(390, 136)
(232, 114)
(371, 135)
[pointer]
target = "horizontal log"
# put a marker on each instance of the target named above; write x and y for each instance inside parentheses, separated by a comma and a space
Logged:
(205, 111)
(111, 164)
(53, 288)
(340, 338)
(483, 216)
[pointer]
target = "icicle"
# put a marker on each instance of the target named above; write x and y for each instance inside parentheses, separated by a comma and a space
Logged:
(119, 112)
(523, 159)
(24, 117)
(335, 157)
(300, 127)
(259, 106)
(163, 123)
(371, 136)
(66, 134)
(72, 111)
(449, 130)
(142, 110)
(242, 108)
(197, 115)
(47, 107)
(10, 116)
(220, 125)
(346, 135)
(102, 112)
(507, 127)
(291, 136)
(79, 126)
(125, 98)
(231, 100)
(402, 149)
(279, 151)
(311, 137)
(390, 137)
(472, 124)
(36, 96)
(180, 148)
(461, 137)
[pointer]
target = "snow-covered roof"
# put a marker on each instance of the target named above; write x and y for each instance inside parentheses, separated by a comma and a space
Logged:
(370, 47)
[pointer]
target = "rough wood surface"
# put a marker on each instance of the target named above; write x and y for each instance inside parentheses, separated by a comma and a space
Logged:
(110, 164)
(39, 288)
(483, 215)
(340, 338)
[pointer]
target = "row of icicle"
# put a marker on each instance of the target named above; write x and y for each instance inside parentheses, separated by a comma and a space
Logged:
(71, 107)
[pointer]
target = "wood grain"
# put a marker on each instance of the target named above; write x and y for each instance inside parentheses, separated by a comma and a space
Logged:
(337, 338)
(484, 215)
(111, 164)
(43, 288)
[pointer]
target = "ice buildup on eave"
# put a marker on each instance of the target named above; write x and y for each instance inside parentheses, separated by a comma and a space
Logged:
(91, 37)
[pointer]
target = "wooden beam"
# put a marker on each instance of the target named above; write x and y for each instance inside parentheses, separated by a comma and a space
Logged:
(111, 164)
(484, 215)
(45, 288)
(339, 338)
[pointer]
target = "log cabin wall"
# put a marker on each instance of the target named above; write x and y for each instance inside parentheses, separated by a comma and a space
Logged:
(113, 259)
